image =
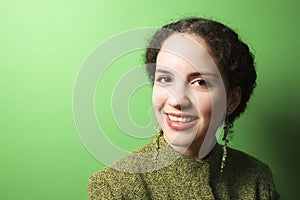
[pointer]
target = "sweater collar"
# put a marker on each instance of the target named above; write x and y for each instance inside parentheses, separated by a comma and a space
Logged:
(168, 154)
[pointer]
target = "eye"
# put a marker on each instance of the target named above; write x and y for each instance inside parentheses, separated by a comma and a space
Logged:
(200, 82)
(164, 79)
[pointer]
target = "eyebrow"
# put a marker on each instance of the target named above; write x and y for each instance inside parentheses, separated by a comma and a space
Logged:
(202, 74)
(192, 74)
(163, 71)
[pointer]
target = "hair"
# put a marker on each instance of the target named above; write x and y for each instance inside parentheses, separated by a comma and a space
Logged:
(232, 55)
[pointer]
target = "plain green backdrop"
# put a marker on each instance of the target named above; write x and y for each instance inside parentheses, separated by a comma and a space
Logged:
(43, 44)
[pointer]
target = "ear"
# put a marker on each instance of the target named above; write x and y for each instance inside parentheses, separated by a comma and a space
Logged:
(234, 99)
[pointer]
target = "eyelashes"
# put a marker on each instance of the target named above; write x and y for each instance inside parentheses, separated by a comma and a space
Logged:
(197, 82)
(164, 79)
(201, 82)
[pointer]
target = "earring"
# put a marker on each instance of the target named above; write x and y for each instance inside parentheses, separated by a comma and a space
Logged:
(157, 128)
(224, 153)
(229, 109)
(227, 130)
(157, 137)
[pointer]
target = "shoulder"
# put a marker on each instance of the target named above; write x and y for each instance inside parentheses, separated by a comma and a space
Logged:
(121, 179)
(111, 183)
(125, 167)
(113, 176)
(249, 172)
(241, 167)
(99, 184)
(247, 167)
(245, 162)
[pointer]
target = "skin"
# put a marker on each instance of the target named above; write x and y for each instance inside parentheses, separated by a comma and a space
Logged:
(190, 95)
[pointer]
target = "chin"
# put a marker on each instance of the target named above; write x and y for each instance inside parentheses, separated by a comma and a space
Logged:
(179, 138)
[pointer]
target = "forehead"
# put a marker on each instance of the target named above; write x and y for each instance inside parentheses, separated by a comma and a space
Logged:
(187, 51)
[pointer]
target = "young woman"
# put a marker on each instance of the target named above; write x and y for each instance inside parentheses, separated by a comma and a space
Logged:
(203, 76)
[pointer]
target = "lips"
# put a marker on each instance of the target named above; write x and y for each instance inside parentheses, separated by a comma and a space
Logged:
(180, 121)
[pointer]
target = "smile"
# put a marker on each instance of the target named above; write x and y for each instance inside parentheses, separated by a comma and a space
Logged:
(180, 122)
(181, 119)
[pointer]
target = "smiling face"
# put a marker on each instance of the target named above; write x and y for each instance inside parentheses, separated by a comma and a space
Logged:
(189, 95)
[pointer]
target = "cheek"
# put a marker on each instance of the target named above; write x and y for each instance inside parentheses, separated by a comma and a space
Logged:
(219, 103)
(218, 108)
(158, 97)
(158, 102)
(204, 105)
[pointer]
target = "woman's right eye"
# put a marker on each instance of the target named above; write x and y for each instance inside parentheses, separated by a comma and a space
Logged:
(164, 79)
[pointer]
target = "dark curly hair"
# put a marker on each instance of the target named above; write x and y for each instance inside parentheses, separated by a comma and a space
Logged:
(232, 55)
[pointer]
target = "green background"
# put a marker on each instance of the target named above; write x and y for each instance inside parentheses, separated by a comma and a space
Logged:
(43, 44)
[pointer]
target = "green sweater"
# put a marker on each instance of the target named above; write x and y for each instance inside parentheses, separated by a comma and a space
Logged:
(165, 174)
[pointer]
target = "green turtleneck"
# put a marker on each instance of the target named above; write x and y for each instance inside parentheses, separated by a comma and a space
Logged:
(156, 171)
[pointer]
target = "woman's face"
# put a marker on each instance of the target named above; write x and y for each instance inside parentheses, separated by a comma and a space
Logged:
(189, 95)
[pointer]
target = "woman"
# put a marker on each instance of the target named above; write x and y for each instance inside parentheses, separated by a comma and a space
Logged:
(203, 76)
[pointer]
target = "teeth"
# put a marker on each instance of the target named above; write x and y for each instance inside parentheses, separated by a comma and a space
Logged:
(180, 119)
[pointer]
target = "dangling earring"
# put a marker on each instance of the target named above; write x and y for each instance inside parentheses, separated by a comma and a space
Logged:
(225, 140)
(227, 130)
(157, 137)
(157, 128)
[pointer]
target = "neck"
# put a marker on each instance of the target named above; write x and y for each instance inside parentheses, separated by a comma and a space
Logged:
(198, 150)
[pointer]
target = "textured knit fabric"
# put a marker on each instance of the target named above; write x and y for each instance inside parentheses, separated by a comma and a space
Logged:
(165, 174)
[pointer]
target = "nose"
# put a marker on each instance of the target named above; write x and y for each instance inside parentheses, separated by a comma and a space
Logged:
(179, 97)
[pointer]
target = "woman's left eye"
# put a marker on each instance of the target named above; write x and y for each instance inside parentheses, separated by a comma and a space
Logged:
(200, 82)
